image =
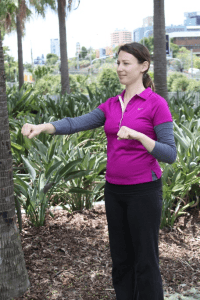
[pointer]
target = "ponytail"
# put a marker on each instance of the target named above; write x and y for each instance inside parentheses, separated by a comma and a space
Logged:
(148, 82)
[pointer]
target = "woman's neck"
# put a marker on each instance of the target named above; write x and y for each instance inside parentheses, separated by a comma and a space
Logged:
(131, 91)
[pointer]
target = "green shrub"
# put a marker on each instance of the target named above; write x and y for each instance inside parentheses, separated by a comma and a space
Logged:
(41, 71)
(172, 77)
(78, 83)
(193, 86)
(41, 173)
(108, 79)
(180, 84)
(48, 84)
(181, 179)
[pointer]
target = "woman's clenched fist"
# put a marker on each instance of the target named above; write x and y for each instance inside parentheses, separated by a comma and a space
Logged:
(31, 130)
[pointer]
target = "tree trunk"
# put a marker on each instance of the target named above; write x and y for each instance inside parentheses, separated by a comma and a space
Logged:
(160, 62)
(63, 47)
(20, 53)
(13, 275)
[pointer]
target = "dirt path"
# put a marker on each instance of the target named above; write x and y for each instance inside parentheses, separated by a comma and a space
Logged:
(69, 257)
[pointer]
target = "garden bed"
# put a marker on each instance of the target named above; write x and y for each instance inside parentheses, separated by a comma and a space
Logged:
(69, 257)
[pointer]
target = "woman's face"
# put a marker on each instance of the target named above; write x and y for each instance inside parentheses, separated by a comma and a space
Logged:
(129, 70)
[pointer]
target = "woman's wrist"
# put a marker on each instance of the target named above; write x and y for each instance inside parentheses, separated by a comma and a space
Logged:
(47, 128)
(146, 141)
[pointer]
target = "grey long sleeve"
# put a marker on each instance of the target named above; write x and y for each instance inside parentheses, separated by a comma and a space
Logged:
(164, 150)
(93, 119)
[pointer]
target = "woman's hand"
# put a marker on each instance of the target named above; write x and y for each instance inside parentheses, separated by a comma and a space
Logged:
(131, 134)
(31, 130)
(128, 133)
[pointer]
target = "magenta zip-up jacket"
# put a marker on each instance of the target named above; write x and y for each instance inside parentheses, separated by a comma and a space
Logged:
(128, 161)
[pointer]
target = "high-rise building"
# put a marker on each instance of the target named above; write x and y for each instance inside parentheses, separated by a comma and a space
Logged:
(146, 32)
(191, 23)
(120, 37)
(55, 47)
(192, 20)
(148, 21)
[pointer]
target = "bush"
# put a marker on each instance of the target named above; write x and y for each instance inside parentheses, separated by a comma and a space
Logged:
(48, 84)
(47, 157)
(108, 79)
(180, 84)
(172, 77)
(194, 86)
(41, 71)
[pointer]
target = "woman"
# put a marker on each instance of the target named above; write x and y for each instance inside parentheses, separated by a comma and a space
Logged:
(139, 130)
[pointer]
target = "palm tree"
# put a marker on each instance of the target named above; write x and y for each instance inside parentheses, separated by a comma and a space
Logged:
(160, 63)
(13, 275)
(63, 8)
(23, 13)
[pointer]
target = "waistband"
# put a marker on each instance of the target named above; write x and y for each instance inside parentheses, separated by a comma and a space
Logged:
(134, 188)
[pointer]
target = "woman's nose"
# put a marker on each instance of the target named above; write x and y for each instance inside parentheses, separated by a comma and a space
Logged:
(119, 67)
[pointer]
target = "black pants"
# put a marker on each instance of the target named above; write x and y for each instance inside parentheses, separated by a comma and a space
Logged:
(133, 215)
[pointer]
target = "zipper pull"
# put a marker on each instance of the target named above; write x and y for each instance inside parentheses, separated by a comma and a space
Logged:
(122, 104)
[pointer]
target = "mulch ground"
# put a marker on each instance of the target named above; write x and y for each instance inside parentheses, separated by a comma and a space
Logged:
(69, 257)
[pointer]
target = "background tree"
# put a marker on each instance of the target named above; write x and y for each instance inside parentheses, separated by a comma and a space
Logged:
(185, 57)
(13, 275)
(174, 48)
(149, 43)
(160, 62)
(11, 66)
(196, 62)
(51, 59)
(64, 8)
(83, 52)
(22, 13)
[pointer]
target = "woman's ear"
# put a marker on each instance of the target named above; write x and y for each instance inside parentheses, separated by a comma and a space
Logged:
(145, 66)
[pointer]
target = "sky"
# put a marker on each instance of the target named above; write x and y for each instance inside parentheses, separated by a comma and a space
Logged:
(92, 23)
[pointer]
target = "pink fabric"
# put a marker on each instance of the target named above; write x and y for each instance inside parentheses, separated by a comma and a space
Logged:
(128, 161)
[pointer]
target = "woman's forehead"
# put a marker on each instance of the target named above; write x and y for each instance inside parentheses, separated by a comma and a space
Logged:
(126, 56)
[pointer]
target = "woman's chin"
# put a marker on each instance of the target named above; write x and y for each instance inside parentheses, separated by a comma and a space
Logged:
(122, 80)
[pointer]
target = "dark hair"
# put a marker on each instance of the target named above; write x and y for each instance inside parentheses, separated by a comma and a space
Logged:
(142, 54)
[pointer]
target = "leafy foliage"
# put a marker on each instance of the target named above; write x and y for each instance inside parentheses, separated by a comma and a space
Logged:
(69, 170)
(108, 79)
(172, 77)
(193, 86)
(41, 71)
(180, 84)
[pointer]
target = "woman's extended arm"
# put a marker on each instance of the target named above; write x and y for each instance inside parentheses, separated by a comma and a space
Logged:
(94, 119)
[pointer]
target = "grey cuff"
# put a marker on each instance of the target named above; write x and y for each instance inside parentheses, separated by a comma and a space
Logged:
(164, 153)
(165, 148)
